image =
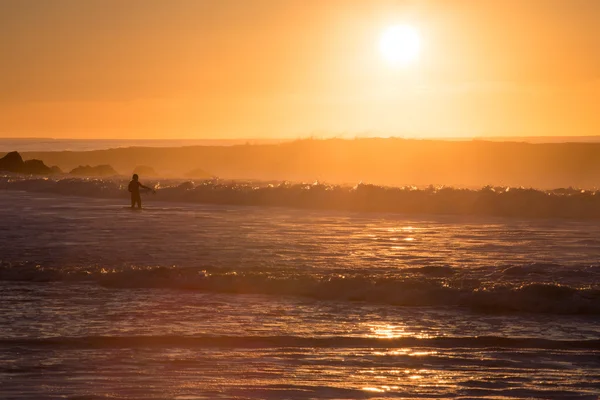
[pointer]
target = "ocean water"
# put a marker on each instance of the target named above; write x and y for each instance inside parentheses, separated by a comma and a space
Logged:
(521, 202)
(185, 300)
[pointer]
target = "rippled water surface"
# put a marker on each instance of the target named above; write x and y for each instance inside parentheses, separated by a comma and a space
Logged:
(194, 301)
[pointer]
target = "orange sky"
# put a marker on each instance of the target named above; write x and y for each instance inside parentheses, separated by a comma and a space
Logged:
(295, 68)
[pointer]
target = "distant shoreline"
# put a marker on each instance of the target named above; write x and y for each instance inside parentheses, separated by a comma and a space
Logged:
(35, 144)
(52, 144)
(379, 161)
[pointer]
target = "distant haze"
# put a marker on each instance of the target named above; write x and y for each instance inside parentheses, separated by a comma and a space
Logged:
(79, 145)
(50, 144)
(395, 162)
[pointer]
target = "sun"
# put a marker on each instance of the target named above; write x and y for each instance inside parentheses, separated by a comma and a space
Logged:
(400, 45)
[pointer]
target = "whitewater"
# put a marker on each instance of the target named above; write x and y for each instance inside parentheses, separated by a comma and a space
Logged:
(191, 299)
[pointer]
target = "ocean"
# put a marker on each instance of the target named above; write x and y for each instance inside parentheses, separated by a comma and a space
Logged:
(187, 300)
(277, 290)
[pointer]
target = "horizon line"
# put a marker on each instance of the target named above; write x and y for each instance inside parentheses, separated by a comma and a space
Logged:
(450, 138)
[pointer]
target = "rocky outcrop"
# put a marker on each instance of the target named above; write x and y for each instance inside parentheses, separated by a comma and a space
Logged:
(13, 162)
(98, 170)
(36, 167)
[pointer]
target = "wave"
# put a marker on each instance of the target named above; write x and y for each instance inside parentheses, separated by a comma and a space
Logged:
(498, 294)
(492, 201)
(87, 342)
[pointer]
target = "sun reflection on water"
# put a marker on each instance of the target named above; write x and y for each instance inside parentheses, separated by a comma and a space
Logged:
(390, 331)
(428, 381)
(373, 389)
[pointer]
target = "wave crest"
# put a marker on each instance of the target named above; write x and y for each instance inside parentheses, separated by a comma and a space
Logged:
(495, 201)
(404, 289)
(87, 342)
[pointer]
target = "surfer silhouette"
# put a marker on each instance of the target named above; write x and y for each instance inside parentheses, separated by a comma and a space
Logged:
(134, 189)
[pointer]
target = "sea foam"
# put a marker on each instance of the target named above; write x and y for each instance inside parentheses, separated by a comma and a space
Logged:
(490, 201)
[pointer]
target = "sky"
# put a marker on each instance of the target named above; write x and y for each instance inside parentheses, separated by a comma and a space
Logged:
(297, 68)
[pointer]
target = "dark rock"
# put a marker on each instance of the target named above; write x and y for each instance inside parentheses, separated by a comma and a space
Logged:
(98, 170)
(36, 167)
(13, 162)
(56, 170)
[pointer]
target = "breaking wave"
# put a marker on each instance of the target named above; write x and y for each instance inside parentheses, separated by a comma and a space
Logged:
(87, 342)
(502, 293)
(493, 201)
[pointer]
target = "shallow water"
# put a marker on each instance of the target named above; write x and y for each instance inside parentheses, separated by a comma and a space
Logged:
(196, 301)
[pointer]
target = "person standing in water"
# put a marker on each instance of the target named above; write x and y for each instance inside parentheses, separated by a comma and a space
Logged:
(134, 189)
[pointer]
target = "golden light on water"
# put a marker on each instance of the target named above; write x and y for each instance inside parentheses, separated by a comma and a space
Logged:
(390, 331)
(425, 379)
(373, 389)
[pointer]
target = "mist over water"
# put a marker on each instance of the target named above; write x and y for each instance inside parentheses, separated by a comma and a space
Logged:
(49, 144)
(379, 161)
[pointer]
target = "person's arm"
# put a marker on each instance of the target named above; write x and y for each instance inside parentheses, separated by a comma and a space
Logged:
(146, 187)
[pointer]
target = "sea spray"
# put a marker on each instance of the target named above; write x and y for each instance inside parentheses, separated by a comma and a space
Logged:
(489, 201)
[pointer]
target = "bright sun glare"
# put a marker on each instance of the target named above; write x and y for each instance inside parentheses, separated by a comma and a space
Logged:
(400, 45)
